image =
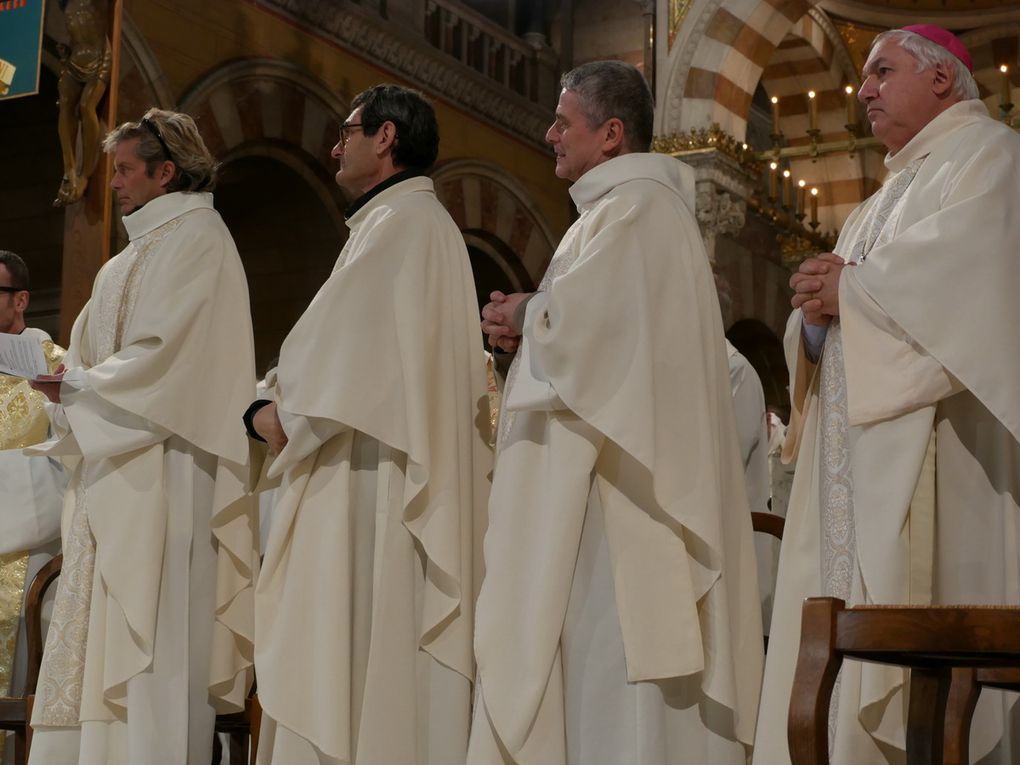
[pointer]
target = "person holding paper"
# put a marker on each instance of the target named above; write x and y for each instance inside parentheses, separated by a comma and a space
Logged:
(364, 607)
(151, 630)
(32, 486)
(619, 619)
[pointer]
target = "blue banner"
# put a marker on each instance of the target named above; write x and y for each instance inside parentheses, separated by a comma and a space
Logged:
(21, 31)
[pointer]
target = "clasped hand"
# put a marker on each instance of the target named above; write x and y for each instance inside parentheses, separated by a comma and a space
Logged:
(498, 320)
(816, 287)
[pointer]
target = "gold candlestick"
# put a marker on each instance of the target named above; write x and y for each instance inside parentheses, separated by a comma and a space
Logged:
(812, 110)
(851, 108)
(775, 116)
(773, 181)
(801, 192)
(787, 190)
(814, 207)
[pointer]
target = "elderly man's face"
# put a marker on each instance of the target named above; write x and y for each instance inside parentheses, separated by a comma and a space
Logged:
(899, 99)
(578, 147)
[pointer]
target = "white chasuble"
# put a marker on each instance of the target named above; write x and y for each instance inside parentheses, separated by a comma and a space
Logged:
(908, 464)
(619, 621)
(152, 621)
(364, 607)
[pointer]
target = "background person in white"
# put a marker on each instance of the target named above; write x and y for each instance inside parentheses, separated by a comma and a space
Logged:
(905, 429)
(151, 626)
(618, 621)
(364, 607)
(33, 487)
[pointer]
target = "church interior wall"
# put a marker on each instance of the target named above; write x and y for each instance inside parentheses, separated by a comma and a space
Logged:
(720, 62)
(31, 169)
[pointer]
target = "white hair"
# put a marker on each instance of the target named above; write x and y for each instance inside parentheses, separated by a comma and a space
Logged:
(928, 54)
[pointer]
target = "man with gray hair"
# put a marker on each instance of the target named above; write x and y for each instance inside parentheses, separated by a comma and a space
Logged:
(151, 627)
(906, 404)
(618, 621)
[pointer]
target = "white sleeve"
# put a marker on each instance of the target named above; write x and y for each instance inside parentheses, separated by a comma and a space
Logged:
(33, 491)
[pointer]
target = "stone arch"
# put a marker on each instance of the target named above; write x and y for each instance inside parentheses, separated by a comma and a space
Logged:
(498, 217)
(989, 47)
(753, 288)
(717, 60)
(142, 82)
(273, 108)
(764, 350)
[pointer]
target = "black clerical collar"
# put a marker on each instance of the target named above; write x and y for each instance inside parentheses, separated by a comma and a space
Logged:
(393, 180)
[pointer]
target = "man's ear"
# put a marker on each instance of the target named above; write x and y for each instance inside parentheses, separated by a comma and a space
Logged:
(21, 301)
(167, 171)
(942, 80)
(385, 138)
(614, 139)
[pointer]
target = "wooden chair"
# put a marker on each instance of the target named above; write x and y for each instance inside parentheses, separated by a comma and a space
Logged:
(934, 642)
(773, 525)
(16, 711)
(239, 726)
(964, 688)
(768, 523)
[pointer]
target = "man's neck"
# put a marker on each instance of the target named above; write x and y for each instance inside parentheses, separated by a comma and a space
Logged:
(392, 180)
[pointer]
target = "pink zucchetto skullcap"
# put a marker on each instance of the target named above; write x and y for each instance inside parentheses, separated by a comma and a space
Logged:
(943, 38)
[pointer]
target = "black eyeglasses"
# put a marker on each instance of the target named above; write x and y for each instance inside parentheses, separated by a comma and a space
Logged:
(12, 290)
(345, 131)
(159, 137)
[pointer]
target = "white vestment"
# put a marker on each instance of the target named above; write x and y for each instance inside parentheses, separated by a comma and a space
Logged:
(619, 621)
(906, 432)
(753, 437)
(151, 628)
(32, 491)
(364, 607)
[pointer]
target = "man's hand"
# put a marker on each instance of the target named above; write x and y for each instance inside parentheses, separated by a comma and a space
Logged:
(49, 385)
(816, 287)
(266, 423)
(498, 320)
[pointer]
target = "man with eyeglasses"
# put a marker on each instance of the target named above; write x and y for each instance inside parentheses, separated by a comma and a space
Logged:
(365, 601)
(619, 620)
(151, 631)
(32, 486)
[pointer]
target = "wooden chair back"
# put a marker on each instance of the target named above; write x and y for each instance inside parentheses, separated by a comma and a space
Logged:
(934, 642)
(16, 711)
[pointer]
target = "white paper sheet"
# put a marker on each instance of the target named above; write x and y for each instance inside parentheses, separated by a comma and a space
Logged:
(22, 356)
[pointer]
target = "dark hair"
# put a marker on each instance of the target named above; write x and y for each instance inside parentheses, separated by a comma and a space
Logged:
(608, 89)
(417, 142)
(164, 135)
(16, 268)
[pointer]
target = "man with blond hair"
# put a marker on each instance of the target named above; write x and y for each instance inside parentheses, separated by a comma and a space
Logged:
(151, 627)
(906, 412)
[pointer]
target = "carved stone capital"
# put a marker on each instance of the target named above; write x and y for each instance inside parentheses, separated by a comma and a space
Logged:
(719, 212)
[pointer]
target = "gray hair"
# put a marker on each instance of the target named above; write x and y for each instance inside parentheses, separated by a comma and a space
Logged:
(164, 135)
(608, 89)
(928, 54)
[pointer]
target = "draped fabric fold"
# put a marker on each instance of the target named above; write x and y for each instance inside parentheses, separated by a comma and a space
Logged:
(930, 408)
(161, 362)
(622, 312)
(391, 412)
